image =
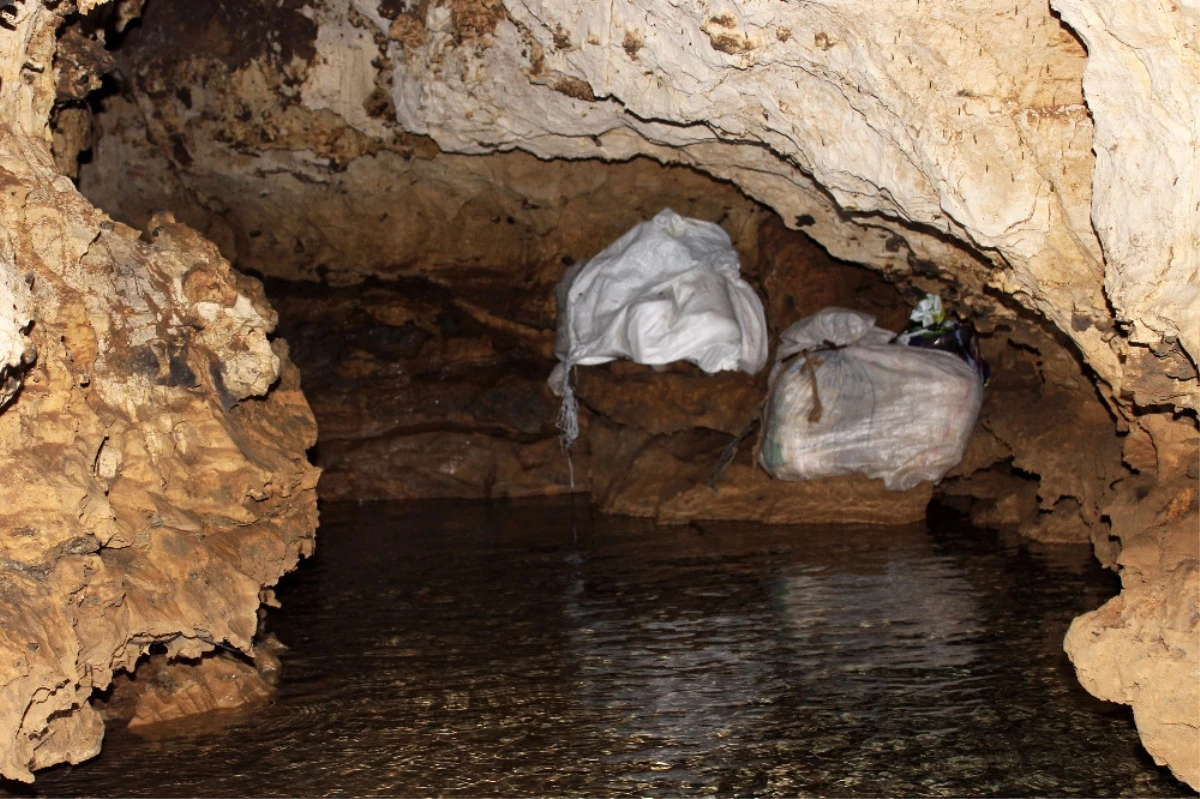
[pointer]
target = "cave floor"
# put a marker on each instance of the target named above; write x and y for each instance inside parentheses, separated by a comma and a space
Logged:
(533, 648)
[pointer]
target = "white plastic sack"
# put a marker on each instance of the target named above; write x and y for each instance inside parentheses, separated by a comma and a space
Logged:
(668, 290)
(845, 401)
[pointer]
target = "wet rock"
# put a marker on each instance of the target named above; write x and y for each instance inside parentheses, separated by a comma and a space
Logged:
(1046, 450)
(444, 464)
(165, 691)
(996, 497)
(670, 479)
(420, 394)
(670, 399)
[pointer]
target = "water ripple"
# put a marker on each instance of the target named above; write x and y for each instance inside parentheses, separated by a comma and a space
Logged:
(480, 650)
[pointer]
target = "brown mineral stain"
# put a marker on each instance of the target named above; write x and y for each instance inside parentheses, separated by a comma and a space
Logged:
(721, 32)
(574, 87)
(561, 39)
(632, 43)
(408, 31)
(237, 33)
(537, 58)
(728, 43)
(475, 18)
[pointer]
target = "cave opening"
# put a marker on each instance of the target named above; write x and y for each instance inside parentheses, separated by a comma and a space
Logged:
(645, 628)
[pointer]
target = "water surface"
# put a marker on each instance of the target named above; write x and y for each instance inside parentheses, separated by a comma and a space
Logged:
(462, 649)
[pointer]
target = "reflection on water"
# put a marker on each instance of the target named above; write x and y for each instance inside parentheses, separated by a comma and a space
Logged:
(484, 650)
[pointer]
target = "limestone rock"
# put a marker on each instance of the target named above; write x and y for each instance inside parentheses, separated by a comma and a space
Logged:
(16, 352)
(1041, 408)
(169, 691)
(154, 477)
(670, 399)
(919, 116)
(1140, 80)
(1141, 648)
(420, 393)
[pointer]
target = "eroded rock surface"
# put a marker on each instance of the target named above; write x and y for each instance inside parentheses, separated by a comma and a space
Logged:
(923, 119)
(155, 484)
(1142, 67)
(421, 394)
(200, 690)
(1141, 648)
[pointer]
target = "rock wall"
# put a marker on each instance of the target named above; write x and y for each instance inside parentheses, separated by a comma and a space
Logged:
(1029, 170)
(1141, 648)
(154, 483)
(467, 250)
(959, 121)
(1139, 82)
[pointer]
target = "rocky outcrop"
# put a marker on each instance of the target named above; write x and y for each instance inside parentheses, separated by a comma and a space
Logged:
(198, 692)
(417, 396)
(1141, 648)
(154, 482)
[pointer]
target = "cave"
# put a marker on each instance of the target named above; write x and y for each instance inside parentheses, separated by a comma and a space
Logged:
(260, 255)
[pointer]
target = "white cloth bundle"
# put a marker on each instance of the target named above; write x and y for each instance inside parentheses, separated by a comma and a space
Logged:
(843, 401)
(667, 290)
